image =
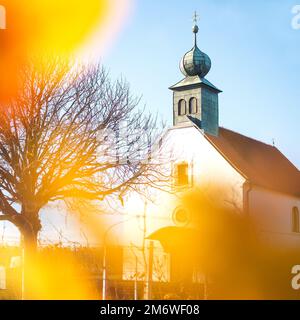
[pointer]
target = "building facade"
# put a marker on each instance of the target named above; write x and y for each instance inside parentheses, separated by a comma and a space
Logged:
(252, 178)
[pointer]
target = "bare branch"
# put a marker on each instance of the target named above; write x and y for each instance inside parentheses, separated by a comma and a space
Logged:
(72, 133)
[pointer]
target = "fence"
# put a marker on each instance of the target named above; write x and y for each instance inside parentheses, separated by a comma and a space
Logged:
(127, 272)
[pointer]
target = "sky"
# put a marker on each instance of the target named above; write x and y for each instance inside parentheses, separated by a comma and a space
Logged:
(255, 56)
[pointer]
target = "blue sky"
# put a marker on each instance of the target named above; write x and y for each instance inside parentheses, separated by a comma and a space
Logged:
(255, 57)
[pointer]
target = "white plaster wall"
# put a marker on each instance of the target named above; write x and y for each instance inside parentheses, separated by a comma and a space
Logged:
(206, 165)
(272, 212)
(209, 166)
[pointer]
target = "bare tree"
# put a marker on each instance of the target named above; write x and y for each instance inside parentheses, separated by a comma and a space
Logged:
(70, 133)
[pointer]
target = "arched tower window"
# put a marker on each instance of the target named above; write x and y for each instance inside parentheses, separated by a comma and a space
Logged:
(193, 106)
(181, 107)
(295, 220)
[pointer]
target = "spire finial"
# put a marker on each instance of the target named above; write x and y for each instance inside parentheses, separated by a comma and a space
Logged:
(195, 17)
(195, 27)
(195, 62)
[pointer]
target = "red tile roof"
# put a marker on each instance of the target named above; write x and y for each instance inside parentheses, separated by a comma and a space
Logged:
(262, 164)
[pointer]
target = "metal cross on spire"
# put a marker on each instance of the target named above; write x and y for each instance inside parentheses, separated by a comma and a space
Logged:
(195, 17)
(195, 27)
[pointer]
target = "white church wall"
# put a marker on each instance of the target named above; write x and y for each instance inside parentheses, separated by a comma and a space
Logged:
(207, 169)
(272, 212)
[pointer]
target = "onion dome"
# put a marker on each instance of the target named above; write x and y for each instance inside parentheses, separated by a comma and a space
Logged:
(195, 62)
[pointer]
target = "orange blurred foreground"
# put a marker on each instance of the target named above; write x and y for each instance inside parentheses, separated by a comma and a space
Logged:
(48, 27)
(58, 274)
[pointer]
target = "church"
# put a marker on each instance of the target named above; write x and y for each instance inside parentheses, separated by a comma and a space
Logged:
(252, 177)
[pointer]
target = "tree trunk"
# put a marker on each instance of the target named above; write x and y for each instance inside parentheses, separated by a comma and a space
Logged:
(29, 263)
(29, 225)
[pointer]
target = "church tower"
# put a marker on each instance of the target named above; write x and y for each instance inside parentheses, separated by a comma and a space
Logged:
(194, 97)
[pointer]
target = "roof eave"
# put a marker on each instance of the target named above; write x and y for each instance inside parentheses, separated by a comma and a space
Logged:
(194, 82)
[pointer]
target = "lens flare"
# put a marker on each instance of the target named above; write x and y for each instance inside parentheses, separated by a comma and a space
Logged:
(48, 27)
(48, 279)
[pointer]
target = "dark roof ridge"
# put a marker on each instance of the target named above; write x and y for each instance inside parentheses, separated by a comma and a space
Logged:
(262, 163)
(262, 142)
(243, 135)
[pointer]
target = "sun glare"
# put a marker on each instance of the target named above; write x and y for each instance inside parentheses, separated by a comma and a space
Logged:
(58, 28)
